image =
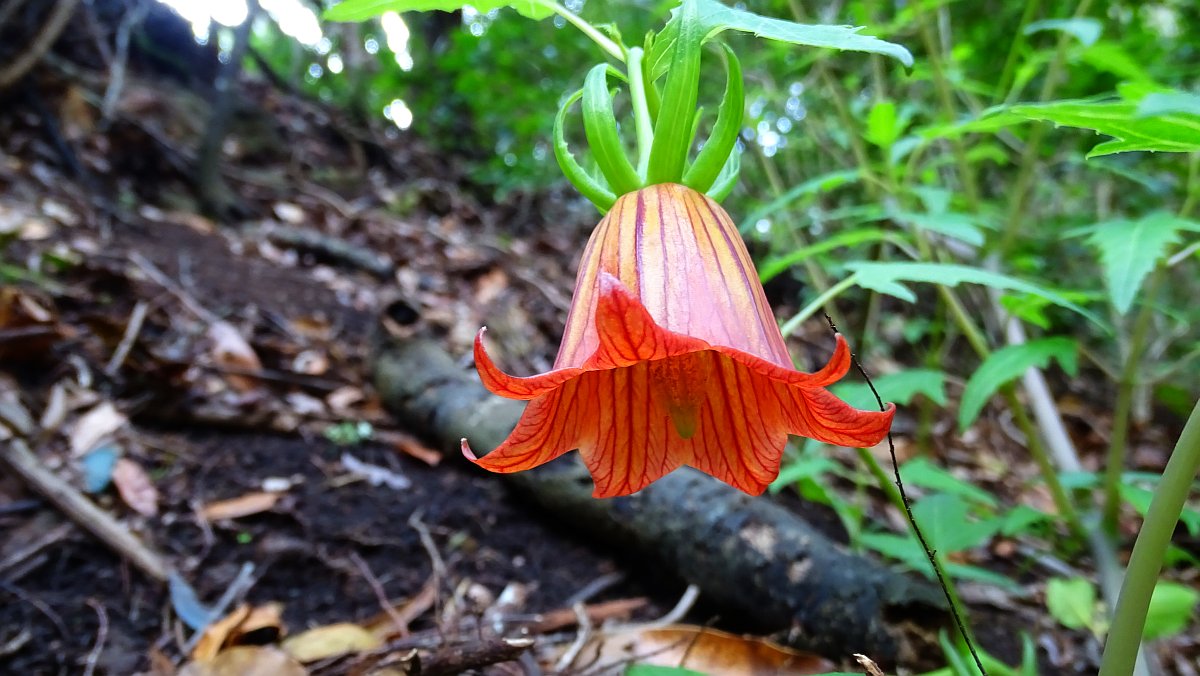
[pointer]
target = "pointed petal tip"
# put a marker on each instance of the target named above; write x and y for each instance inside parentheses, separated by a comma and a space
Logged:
(466, 451)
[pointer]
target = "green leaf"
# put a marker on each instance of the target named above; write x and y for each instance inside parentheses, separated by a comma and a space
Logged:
(888, 277)
(945, 519)
(672, 137)
(882, 128)
(587, 186)
(921, 472)
(715, 18)
(723, 139)
(959, 226)
(1084, 29)
(1072, 602)
(1020, 519)
(900, 387)
(1171, 608)
(600, 126)
(813, 186)
(772, 267)
(1007, 364)
(1129, 250)
(361, 10)
(1169, 132)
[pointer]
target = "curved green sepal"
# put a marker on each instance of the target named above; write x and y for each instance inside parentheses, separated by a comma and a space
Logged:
(600, 125)
(715, 153)
(668, 155)
(727, 179)
(653, 98)
(587, 186)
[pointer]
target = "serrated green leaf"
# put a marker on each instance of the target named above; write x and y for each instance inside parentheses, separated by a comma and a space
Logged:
(900, 387)
(1172, 132)
(1072, 601)
(1129, 250)
(772, 267)
(361, 10)
(1171, 608)
(716, 18)
(1085, 29)
(1007, 364)
(888, 277)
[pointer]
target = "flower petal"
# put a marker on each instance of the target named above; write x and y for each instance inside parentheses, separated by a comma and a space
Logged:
(818, 414)
(830, 373)
(627, 332)
(514, 387)
(629, 441)
(742, 432)
(547, 429)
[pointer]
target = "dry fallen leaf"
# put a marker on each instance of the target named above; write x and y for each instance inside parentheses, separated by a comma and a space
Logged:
(701, 649)
(135, 487)
(231, 350)
(409, 445)
(244, 505)
(330, 641)
(242, 621)
(94, 426)
(246, 661)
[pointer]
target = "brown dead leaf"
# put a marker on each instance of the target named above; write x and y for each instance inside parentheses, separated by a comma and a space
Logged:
(490, 285)
(330, 641)
(705, 650)
(135, 487)
(229, 629)
(92, 427)
(231, 350)
(409, 445)
(244, 505)
(246, 661)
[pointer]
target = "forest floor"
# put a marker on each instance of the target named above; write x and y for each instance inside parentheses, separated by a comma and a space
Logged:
(207, 385)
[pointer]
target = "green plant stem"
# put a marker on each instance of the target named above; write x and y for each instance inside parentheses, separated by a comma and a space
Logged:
(817, 303)
(1129, 620)
(945, 99)
(1017, 196)
(1014, 50)
(613, 49)
(1192, 194)
(1121, 411)
(642, 124)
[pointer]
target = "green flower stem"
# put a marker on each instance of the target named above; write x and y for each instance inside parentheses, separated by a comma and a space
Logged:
(613, 49)
(1018, 43)
(945, 97)
(816, 304)
(643, 125)
(1119, 438)
(1129, 620)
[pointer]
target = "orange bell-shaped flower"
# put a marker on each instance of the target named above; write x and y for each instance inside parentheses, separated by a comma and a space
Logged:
(671, 357)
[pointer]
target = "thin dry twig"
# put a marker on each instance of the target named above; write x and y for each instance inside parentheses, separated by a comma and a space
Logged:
(51, 29)
(582, 635)
(83, 511)
(134, 327)
(380, 594)
(101, 636)
(159, 277)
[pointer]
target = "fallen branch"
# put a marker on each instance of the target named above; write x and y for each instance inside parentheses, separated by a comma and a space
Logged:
(748, 555)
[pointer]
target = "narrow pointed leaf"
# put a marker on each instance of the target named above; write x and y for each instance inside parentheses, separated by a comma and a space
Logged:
(672, 140)
(600, 125)
(587, 186)
(723, 139)
(715, 18)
